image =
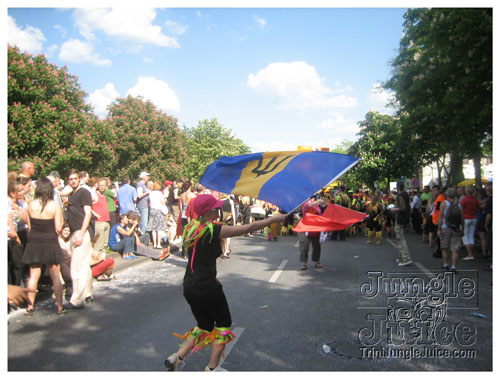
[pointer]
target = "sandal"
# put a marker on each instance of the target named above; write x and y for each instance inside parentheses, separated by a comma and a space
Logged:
(62, 312)
(304, 267)
(112, 277)
(164, 254)
(319, 265)
(103, 278)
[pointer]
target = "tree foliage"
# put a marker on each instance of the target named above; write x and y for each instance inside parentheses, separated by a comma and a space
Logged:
(48, 120)
(442, 78)
(206, 143)
(144, 139)
(384, 152)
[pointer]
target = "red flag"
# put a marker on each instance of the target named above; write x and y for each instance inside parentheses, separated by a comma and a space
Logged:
(334, 217)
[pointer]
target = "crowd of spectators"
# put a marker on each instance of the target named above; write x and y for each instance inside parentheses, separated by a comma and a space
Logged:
(84, 222)
(430, 216)
(98, 217)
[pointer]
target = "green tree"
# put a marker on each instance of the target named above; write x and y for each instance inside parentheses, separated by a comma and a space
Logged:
(384, 152)
(144, 139)
(343, 147)
(48, 120)
(442, 78)
(206, 143)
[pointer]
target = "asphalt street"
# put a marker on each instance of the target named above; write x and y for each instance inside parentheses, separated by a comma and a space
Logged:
(361, 312)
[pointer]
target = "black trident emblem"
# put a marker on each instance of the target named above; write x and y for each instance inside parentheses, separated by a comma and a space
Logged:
(268, 169)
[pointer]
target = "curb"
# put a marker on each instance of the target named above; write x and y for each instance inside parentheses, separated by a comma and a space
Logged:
(120, 266)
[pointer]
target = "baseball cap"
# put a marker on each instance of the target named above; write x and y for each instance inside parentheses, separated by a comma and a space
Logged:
(168, 182)
(203, 203)
(143, 174)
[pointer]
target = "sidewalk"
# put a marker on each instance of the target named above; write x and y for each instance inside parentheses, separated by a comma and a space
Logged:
(123, 264)
(45, 290)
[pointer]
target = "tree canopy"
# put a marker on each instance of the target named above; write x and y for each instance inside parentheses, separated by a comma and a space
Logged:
(442, 78)
(383, 150)
(206, 143)
(144, 138)
(48, 120)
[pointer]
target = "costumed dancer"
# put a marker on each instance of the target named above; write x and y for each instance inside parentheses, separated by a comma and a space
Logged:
(375, 210)
(202, 238)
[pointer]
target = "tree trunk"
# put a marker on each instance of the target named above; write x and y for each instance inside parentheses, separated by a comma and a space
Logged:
(456, 168)
(477, 168)
(439, 167)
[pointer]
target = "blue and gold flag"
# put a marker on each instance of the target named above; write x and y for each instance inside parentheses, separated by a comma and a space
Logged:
(283, 178)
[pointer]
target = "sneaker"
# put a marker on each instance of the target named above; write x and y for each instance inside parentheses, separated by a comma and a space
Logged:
(405, 263)
(445, 267)
(174, 363)
(89, 299)
(468, 258)
(218, 368)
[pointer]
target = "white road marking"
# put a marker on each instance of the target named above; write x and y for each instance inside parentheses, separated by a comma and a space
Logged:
(392, 243)
(237, 333)
(419, 265)
(278, 272)
(424, 269)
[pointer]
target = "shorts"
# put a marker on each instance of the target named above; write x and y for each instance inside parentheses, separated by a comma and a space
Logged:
(450, 240)
(210, 310)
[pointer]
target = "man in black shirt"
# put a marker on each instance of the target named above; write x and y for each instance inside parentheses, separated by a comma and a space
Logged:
(402, 219)
(82, 230)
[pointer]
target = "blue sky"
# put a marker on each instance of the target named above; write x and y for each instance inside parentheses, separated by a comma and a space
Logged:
(278, 77)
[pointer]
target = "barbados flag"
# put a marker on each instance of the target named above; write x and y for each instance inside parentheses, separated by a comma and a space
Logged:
(283, 178)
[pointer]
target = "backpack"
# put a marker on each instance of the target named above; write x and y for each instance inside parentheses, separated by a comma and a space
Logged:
(454, 216)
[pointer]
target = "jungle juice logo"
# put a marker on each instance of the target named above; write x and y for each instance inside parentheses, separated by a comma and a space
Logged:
(408, 312)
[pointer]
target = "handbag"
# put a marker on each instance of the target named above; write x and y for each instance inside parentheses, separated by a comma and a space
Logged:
(164, 209)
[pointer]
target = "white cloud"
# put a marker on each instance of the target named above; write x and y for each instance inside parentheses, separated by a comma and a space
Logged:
(157, 91)
(29, 39)
(51, 50)
(260, 22)
(297, 85)
(378, 99)
(175, 28)
(62, 30)
(81, 52)
(128, 24)
(273, 146)
(337, 123)
(101, 98)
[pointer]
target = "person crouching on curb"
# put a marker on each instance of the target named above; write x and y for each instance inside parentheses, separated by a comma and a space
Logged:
(102, 266)
(203, 292)
(142, 240)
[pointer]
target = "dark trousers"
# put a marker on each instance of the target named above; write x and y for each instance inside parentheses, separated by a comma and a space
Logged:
(16, 267)
(340, 233)
(210, 310)
(416, 220)
(304, 242)
(125, 246)
(112, 219)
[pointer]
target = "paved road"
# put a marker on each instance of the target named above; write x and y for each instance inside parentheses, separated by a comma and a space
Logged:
(283, 317)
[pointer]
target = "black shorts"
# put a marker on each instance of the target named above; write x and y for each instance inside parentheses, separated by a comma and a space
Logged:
(210, 310)
(371, 224)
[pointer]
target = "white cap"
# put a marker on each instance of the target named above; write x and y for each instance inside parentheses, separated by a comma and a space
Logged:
(143, 174)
